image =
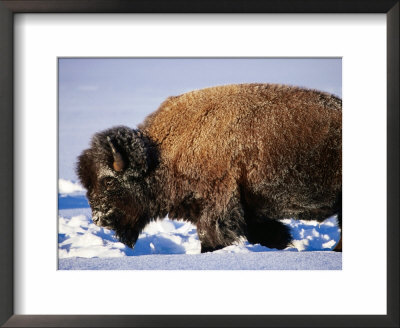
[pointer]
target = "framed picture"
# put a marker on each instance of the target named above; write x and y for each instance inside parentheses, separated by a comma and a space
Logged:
(36, 293)
(125, 91)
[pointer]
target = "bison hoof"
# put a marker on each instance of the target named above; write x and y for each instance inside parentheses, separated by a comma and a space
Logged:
(338, 247)
(269, 233)
(207, 249)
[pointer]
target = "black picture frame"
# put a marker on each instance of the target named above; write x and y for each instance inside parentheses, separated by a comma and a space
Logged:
(10, 7)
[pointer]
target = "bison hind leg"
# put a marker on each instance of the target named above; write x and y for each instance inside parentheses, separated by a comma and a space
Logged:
(338, 247)
(338, 205)
(269, 233)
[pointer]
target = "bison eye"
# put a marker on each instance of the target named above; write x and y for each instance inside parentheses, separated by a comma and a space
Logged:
(107, 182)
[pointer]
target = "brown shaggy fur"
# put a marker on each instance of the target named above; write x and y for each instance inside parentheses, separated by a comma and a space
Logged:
(232, 160)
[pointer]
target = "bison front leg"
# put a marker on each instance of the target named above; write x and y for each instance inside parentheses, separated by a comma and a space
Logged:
(217, 230)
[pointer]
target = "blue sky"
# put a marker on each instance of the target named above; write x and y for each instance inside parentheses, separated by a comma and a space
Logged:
(95, 94)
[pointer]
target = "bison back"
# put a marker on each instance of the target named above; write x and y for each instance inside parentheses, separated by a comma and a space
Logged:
(275, 142)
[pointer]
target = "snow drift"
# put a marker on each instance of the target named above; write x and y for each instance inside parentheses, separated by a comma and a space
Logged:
(168, 244)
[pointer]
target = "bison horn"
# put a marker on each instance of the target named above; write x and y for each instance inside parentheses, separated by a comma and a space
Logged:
(118, 163)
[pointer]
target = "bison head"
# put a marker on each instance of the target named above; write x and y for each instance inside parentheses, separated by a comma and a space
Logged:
(113, 171)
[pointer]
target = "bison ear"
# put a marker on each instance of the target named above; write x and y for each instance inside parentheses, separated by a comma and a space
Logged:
(119, 163)
(130, 151)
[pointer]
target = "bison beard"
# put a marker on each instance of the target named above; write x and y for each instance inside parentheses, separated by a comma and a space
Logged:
(232, 160)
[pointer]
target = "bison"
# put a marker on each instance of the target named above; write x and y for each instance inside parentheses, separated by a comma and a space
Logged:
(234, 160)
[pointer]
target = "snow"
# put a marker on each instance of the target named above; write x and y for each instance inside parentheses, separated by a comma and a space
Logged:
(169, 244)
(66, 187)
(280, 260)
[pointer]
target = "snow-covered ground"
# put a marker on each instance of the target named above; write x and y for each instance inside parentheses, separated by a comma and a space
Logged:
(83, 245)
(281, 260)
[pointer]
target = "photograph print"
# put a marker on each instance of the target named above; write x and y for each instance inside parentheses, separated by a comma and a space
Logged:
(200, 164)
